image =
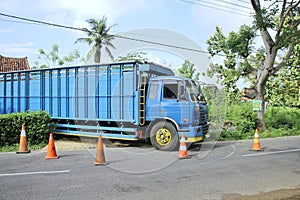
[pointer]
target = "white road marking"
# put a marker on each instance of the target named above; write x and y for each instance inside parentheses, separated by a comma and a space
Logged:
(34, 173)
(269, 153)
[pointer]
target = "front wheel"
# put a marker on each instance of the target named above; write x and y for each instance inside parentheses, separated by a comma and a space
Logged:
(163, 136)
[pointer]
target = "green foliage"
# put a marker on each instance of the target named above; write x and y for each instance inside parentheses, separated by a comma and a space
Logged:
(280, 121)
(98, 37)
(284, 88)
(52, 59)
(271, 133)
(237, 47)
(10, 148)
(38, 126)
(187, 70)
(216, 112)
(283, 118)
(73, 58)
(217, 106)
(278, 25)
(240, 122)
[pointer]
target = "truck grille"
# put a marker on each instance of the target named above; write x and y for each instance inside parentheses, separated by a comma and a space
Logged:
(203, 118)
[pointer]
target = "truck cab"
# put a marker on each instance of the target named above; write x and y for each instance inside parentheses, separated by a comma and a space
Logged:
(175, 105)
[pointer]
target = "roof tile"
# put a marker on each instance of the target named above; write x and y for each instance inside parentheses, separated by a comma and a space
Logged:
(8, 64)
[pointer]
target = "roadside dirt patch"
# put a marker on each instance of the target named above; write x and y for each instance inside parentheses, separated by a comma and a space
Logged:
(73, 143)
(284, 194)
(63, 142)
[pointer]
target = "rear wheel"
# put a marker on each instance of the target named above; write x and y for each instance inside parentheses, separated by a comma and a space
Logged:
(163, 136)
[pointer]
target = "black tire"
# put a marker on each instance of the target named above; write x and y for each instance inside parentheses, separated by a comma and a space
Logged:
(164, 137)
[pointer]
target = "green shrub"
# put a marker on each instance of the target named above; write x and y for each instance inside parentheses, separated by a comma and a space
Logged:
(271, 132)
(38, 126)
(282, 118)
(242, 120)
(280, 121)
(217, 108)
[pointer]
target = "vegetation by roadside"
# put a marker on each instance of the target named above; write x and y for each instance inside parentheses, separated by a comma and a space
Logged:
(15, 147)
(241, 121)
(38, 126)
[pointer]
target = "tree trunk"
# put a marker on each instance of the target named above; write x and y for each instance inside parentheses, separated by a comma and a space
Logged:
(261, 80)
(97, 55)
(261, 113)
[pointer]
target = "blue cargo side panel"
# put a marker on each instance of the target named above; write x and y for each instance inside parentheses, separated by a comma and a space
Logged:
(34, 93)
(117, 94)
(97, 92)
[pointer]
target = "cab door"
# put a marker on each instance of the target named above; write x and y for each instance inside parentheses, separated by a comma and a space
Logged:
(153, 101)
(174, 104)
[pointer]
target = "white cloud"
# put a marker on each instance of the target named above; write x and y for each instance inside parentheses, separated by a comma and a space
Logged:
(75, 12)
(6, 30)
(8, 6)
(17, 48)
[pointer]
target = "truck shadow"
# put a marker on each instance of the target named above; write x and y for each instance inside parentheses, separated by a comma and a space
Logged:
(205, 146)
(91, 143)
(126, 143)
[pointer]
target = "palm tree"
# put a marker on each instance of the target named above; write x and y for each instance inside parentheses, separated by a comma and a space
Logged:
(98, 37)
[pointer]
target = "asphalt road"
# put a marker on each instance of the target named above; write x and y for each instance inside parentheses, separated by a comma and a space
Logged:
(214, 171)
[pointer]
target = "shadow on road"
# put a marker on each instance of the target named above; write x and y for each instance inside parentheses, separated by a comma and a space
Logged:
(205, 146)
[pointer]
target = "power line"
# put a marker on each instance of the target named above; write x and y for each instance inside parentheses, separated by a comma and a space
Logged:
(211, 6)
(162, 44)
(225, 6)
(118, 36)
(43, 22)
(243, 1)
(234, 4)
(152, 36)
(18, 22)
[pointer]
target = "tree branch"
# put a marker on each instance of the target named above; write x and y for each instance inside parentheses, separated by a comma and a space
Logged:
(282, 18)
(283, 15)
(266, 37)
(249, 70)
(284, 60)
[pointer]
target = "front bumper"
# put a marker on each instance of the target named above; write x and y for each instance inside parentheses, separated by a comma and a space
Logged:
(194, 133)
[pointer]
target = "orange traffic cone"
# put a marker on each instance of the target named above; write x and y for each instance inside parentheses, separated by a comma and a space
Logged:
(51, 153)
(182, 149)
(23, 141)
(256, 143)
(100, 157)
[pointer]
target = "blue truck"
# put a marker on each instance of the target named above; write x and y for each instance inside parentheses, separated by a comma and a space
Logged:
(124, 100)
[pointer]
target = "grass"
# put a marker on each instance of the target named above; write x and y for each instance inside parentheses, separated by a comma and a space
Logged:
(10, 148)
(15, 147)
(281, 132)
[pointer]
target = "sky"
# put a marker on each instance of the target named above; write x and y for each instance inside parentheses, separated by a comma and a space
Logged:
(164, 21)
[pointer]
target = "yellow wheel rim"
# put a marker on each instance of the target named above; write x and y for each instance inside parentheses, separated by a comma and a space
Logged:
(163, 136)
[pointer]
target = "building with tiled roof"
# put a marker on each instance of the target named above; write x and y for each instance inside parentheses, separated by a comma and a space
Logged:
(8, 64)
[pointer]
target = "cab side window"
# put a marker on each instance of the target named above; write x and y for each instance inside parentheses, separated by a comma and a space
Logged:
(170, 90)
(153, 90)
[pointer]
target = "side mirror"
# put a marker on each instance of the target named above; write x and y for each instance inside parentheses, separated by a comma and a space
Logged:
(200, 97)
(210, 91)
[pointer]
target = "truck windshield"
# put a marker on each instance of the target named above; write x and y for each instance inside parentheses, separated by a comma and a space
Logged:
(194, 91)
